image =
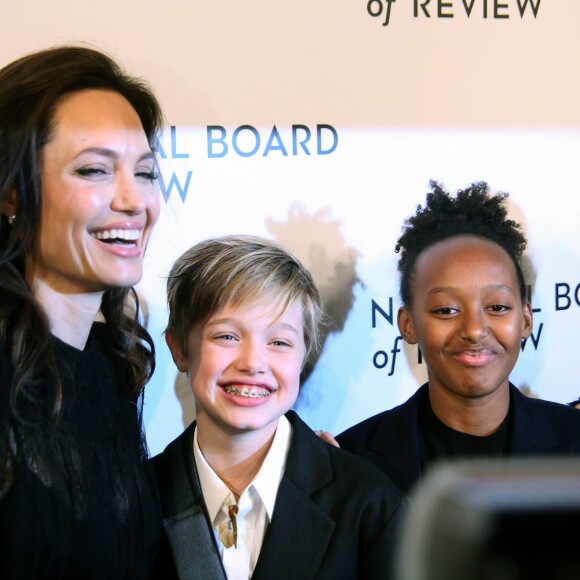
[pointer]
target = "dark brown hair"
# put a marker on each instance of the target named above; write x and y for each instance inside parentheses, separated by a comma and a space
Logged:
(30, 90)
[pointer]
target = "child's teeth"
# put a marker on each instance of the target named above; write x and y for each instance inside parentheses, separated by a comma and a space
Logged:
(252, 393)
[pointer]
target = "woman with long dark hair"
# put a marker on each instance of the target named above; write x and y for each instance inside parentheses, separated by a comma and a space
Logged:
(77, 204)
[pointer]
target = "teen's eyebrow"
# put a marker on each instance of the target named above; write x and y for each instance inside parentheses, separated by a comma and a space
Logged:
(218, 321)
(285, 326)
(276, 325)
(446, 289)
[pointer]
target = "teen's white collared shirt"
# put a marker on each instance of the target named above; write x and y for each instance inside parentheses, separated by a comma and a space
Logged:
(255, 507)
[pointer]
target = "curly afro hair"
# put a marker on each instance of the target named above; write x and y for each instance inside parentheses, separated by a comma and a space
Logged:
(473, 211)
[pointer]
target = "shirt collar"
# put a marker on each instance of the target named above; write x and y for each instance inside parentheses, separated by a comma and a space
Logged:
(268, 479)
(265, 483)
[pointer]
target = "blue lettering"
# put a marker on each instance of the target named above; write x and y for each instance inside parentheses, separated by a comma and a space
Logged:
(235, 141)
(174, 153)
(380, 359)
(376, 308)
(161, 151)
(221, 140)
(246, 141)
(295, 142)
(275, 136)
(174, 181)
(394, 352)
(319, 129)
(564, 295)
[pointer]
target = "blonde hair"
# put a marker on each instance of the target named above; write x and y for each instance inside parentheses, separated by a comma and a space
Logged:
(239, 270)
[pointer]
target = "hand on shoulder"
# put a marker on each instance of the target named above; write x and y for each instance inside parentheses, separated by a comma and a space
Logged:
(327, 437)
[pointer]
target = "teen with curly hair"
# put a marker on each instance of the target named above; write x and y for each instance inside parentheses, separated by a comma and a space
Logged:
(465, 305)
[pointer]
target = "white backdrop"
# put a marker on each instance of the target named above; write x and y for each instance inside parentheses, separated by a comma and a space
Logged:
(316, 124)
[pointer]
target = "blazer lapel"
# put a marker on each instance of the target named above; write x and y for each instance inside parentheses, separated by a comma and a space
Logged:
(394, 447)
(186, 524)
(532, 432)
(298, 536)
(191, 545)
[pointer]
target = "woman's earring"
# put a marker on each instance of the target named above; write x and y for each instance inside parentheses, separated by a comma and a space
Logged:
(11, 219)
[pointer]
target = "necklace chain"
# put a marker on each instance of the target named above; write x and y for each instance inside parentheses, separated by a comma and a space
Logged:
(228, 532)
(237, 492)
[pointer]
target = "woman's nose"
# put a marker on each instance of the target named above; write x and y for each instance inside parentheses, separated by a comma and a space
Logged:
(129, 196)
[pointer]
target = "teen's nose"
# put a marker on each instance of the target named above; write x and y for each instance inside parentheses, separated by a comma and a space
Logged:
(251, 357)
(473, 324)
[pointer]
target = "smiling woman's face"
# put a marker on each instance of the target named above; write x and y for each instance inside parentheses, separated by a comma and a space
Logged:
(466, 315)
(99, 202)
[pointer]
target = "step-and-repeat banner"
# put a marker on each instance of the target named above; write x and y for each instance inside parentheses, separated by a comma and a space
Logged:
(319, 124)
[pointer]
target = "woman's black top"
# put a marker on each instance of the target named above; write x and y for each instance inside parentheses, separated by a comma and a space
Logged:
(77, 499)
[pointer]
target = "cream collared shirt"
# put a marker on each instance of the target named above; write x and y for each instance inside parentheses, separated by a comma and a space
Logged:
(255, 507)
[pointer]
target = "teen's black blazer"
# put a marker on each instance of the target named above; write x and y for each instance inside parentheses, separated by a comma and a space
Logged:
(390, 440)
(335, 516)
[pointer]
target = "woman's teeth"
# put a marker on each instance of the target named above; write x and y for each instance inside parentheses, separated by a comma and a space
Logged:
(117, 235)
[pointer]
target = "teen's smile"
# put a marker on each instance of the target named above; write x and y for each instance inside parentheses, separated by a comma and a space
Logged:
(475, 358)
(247, 391)
(244, 365)
(466, 315)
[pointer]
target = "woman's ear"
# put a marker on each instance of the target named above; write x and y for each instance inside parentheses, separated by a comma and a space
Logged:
(406, 325)
(8, 205)
(179, 357)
